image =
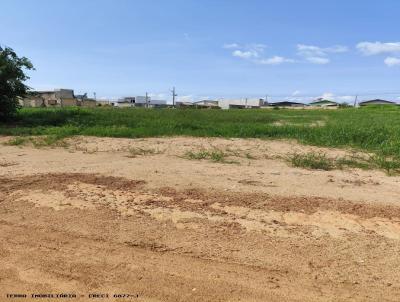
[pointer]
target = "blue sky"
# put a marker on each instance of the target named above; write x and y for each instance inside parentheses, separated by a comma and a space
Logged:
(219, 48)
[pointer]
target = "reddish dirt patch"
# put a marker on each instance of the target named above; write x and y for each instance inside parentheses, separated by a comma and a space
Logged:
(82, 233)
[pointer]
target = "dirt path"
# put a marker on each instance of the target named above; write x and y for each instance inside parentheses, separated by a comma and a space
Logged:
(82, 220)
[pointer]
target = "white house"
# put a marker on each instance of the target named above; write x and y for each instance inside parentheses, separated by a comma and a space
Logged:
(139, 101)
(240, 103)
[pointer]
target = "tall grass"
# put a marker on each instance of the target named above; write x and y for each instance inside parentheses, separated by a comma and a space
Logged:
(376, 130)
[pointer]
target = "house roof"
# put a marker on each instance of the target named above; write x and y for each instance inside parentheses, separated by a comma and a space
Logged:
(322, 101)
(285, 103)
(184, 103)
(377, 101)
(44, 91)
(207, 103)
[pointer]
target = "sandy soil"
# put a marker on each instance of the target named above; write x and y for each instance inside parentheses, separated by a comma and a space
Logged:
(135, 217)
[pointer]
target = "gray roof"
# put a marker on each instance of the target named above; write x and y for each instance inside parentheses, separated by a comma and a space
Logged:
(377, 101)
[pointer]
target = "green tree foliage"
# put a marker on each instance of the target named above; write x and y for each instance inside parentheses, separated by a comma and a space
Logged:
(12, 78)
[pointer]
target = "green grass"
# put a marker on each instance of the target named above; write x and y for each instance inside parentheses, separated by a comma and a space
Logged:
(320, 161)
(16, 141)
(315, 161)
(38, 142)
(374, 130)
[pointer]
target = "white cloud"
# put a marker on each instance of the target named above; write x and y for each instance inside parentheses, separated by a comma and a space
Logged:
(319, 55)
(318, 60)
(275, 60)
(258, 47)
(346, 98)
(391, 61)
(255, 54)
(231, 45)
(327, 95)
(375, 48)
(337, 98)
(311, 50)
(296, 92)
(245, 54)
(185, 98)
(337, 49)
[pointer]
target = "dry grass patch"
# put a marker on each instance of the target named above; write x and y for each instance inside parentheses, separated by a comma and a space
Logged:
(38, 141)
(137, 151)
(214, 155)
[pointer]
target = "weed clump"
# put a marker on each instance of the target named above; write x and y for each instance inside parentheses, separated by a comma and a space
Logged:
(320, 161)
(214, 155)
(315, 161)
(135, 152)
(17, 141)
(38, 142)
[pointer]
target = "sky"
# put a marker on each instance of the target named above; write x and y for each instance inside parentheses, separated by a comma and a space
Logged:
(208, 49)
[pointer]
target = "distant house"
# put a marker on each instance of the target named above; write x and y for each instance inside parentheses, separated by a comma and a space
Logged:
(376, 102)
(81, 96)
(67, 102)
(209, 104)
(139, 101)
(287, 104)
(324, 103)
(240, 103)
(103, 102)
(124, 102)
(91, 103)
(157, 103)
(181, 104)
(55, 98)
(32, 100)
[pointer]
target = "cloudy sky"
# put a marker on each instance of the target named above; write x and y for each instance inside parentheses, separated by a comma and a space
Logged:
(209, 48)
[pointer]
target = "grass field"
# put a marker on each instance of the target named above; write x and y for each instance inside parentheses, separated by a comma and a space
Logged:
(206, 219)
(375, 130)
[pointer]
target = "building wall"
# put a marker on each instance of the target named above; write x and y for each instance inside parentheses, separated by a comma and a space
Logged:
(88, 103)
(31, 102)
(324, 104)
(64, 93)
(122, 105)
(68, 102)
(249, 103)
(103, 102)
(47, 95)
(56, 98)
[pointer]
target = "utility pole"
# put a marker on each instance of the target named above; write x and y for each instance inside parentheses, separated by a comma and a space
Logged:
(355, 101)
(94, 93)
(266, 99)
(147, 100)
(173, 96)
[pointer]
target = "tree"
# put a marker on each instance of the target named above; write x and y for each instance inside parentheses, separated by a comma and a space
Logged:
(12, 78)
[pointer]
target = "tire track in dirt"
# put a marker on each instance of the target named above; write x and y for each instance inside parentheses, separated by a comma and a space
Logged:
(87, 232)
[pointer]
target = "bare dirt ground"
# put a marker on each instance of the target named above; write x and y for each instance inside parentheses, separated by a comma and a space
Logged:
(136, 217)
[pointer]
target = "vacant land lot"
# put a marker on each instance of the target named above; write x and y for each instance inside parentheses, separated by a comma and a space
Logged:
(375, 130)
(145, 217)
(186, 218)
